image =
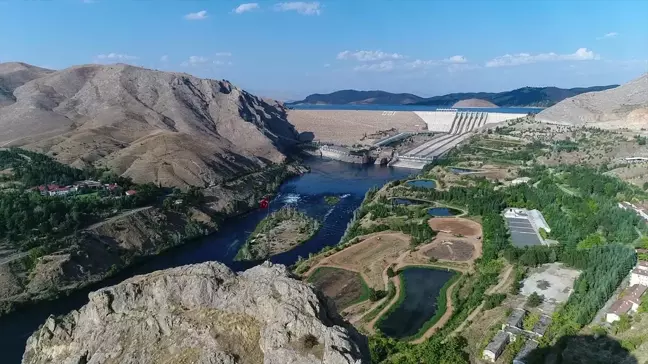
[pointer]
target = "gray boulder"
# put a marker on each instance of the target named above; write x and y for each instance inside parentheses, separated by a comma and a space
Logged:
(202, 313)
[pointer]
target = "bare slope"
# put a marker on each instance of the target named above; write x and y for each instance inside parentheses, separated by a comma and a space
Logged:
(153, 126)
(624, 106)
(14, 75)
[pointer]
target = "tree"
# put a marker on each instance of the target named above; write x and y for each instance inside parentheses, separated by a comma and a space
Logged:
(535, 300)
(494, 300)
(390, 272)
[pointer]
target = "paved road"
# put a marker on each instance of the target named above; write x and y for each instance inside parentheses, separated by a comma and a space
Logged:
(11, 258)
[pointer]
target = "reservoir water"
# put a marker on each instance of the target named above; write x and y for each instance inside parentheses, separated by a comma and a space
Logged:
(348, 181)
(515, 110)
(422, 287)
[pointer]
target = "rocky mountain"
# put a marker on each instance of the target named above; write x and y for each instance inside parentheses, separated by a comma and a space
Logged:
(201, 313)
(526, 96)
(474, 103)
(163, 127)
(14, 75)
(623, 107)
(354, 97)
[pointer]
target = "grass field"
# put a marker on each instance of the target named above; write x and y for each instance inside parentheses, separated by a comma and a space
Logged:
(345, 287)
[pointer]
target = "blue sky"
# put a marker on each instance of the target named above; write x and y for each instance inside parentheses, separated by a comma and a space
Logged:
(291, 49)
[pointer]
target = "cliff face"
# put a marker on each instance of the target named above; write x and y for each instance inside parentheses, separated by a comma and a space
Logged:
(200, 313)
(97, 252)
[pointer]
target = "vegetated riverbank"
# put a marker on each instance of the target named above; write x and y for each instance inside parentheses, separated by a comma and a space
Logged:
(280, 231)
(305, 192)
(106, 248)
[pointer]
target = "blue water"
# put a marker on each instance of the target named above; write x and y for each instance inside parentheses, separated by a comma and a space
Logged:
(422, 287)
(443, 211)
(514, 110)
(425, 183)
(306, 193)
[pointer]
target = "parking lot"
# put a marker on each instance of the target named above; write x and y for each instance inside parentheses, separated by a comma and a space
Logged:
(522, 233)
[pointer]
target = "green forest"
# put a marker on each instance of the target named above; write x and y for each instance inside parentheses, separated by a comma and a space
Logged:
(572, 218)
(28, 219)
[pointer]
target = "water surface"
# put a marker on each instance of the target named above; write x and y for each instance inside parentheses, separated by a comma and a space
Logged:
(422, 287)
(305, 193)
(444, 211)
(425, 183)
(514, 110)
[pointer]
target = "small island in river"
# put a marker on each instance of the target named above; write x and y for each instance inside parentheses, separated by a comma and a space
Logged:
(280, 231)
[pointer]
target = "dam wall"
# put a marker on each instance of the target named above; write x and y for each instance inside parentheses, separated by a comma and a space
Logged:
(457, 122)
(340, 154)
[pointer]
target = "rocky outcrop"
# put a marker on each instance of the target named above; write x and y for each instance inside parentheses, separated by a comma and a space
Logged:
(201, 313)
(625, 106)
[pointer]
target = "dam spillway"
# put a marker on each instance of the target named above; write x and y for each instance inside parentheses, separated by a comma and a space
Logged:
(454, 126)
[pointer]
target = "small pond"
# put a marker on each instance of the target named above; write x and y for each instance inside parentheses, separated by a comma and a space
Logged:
(421, 287)
(463, 170)
(444, 211)
(424, 183)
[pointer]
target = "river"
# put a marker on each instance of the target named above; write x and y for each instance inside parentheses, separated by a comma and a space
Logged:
(306, 193)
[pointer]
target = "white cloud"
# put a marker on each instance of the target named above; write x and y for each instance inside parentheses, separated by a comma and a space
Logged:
(376, 67)
(195, 61)
(222, 63)
(327, 65)
(305, 8)
(115, 57)
(201, 15)
(164, 58)
(223, 54)
(608, 35)
(368, 56)
(456, 59)
(582, 54)
(246, 7)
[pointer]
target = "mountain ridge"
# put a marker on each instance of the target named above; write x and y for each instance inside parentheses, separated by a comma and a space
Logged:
(169, 128)
(525, 96)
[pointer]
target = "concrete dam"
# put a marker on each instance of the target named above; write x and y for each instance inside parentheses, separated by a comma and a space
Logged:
(453, 126)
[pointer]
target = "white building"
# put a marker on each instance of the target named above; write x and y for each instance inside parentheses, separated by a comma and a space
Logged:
(618, 308)
(521, 180)
(639, 275)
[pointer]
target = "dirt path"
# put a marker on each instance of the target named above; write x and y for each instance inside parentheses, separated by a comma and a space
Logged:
(397, 284)
(123, 214)
(495, 289)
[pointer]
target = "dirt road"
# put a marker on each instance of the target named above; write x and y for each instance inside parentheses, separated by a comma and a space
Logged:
(123, 214)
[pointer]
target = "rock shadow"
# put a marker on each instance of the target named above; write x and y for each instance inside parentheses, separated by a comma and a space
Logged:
(583, 349)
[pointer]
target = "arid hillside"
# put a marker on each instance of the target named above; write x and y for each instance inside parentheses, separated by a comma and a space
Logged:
(14, 75)
(153, 126)
(625, 106)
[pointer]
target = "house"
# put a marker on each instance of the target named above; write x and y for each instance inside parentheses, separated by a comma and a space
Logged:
(111, 186)
(523, 355)
(642, 265)
(130, 192)
(60, 191)
(495, 348)
(541, 326)
(618, 308)
(633, 295)
(639, 275)
(520, 180)
(515, 319)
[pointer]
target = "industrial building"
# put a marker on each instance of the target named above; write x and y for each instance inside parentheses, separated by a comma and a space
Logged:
(524, 226)
(495, 348)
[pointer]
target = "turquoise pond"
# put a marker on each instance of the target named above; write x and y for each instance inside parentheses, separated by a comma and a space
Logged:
(444, 211)
(424, 183)
(422, 287)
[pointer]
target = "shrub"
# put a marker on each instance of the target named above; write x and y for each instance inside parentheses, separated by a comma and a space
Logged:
(535, 300)
(494, 300)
